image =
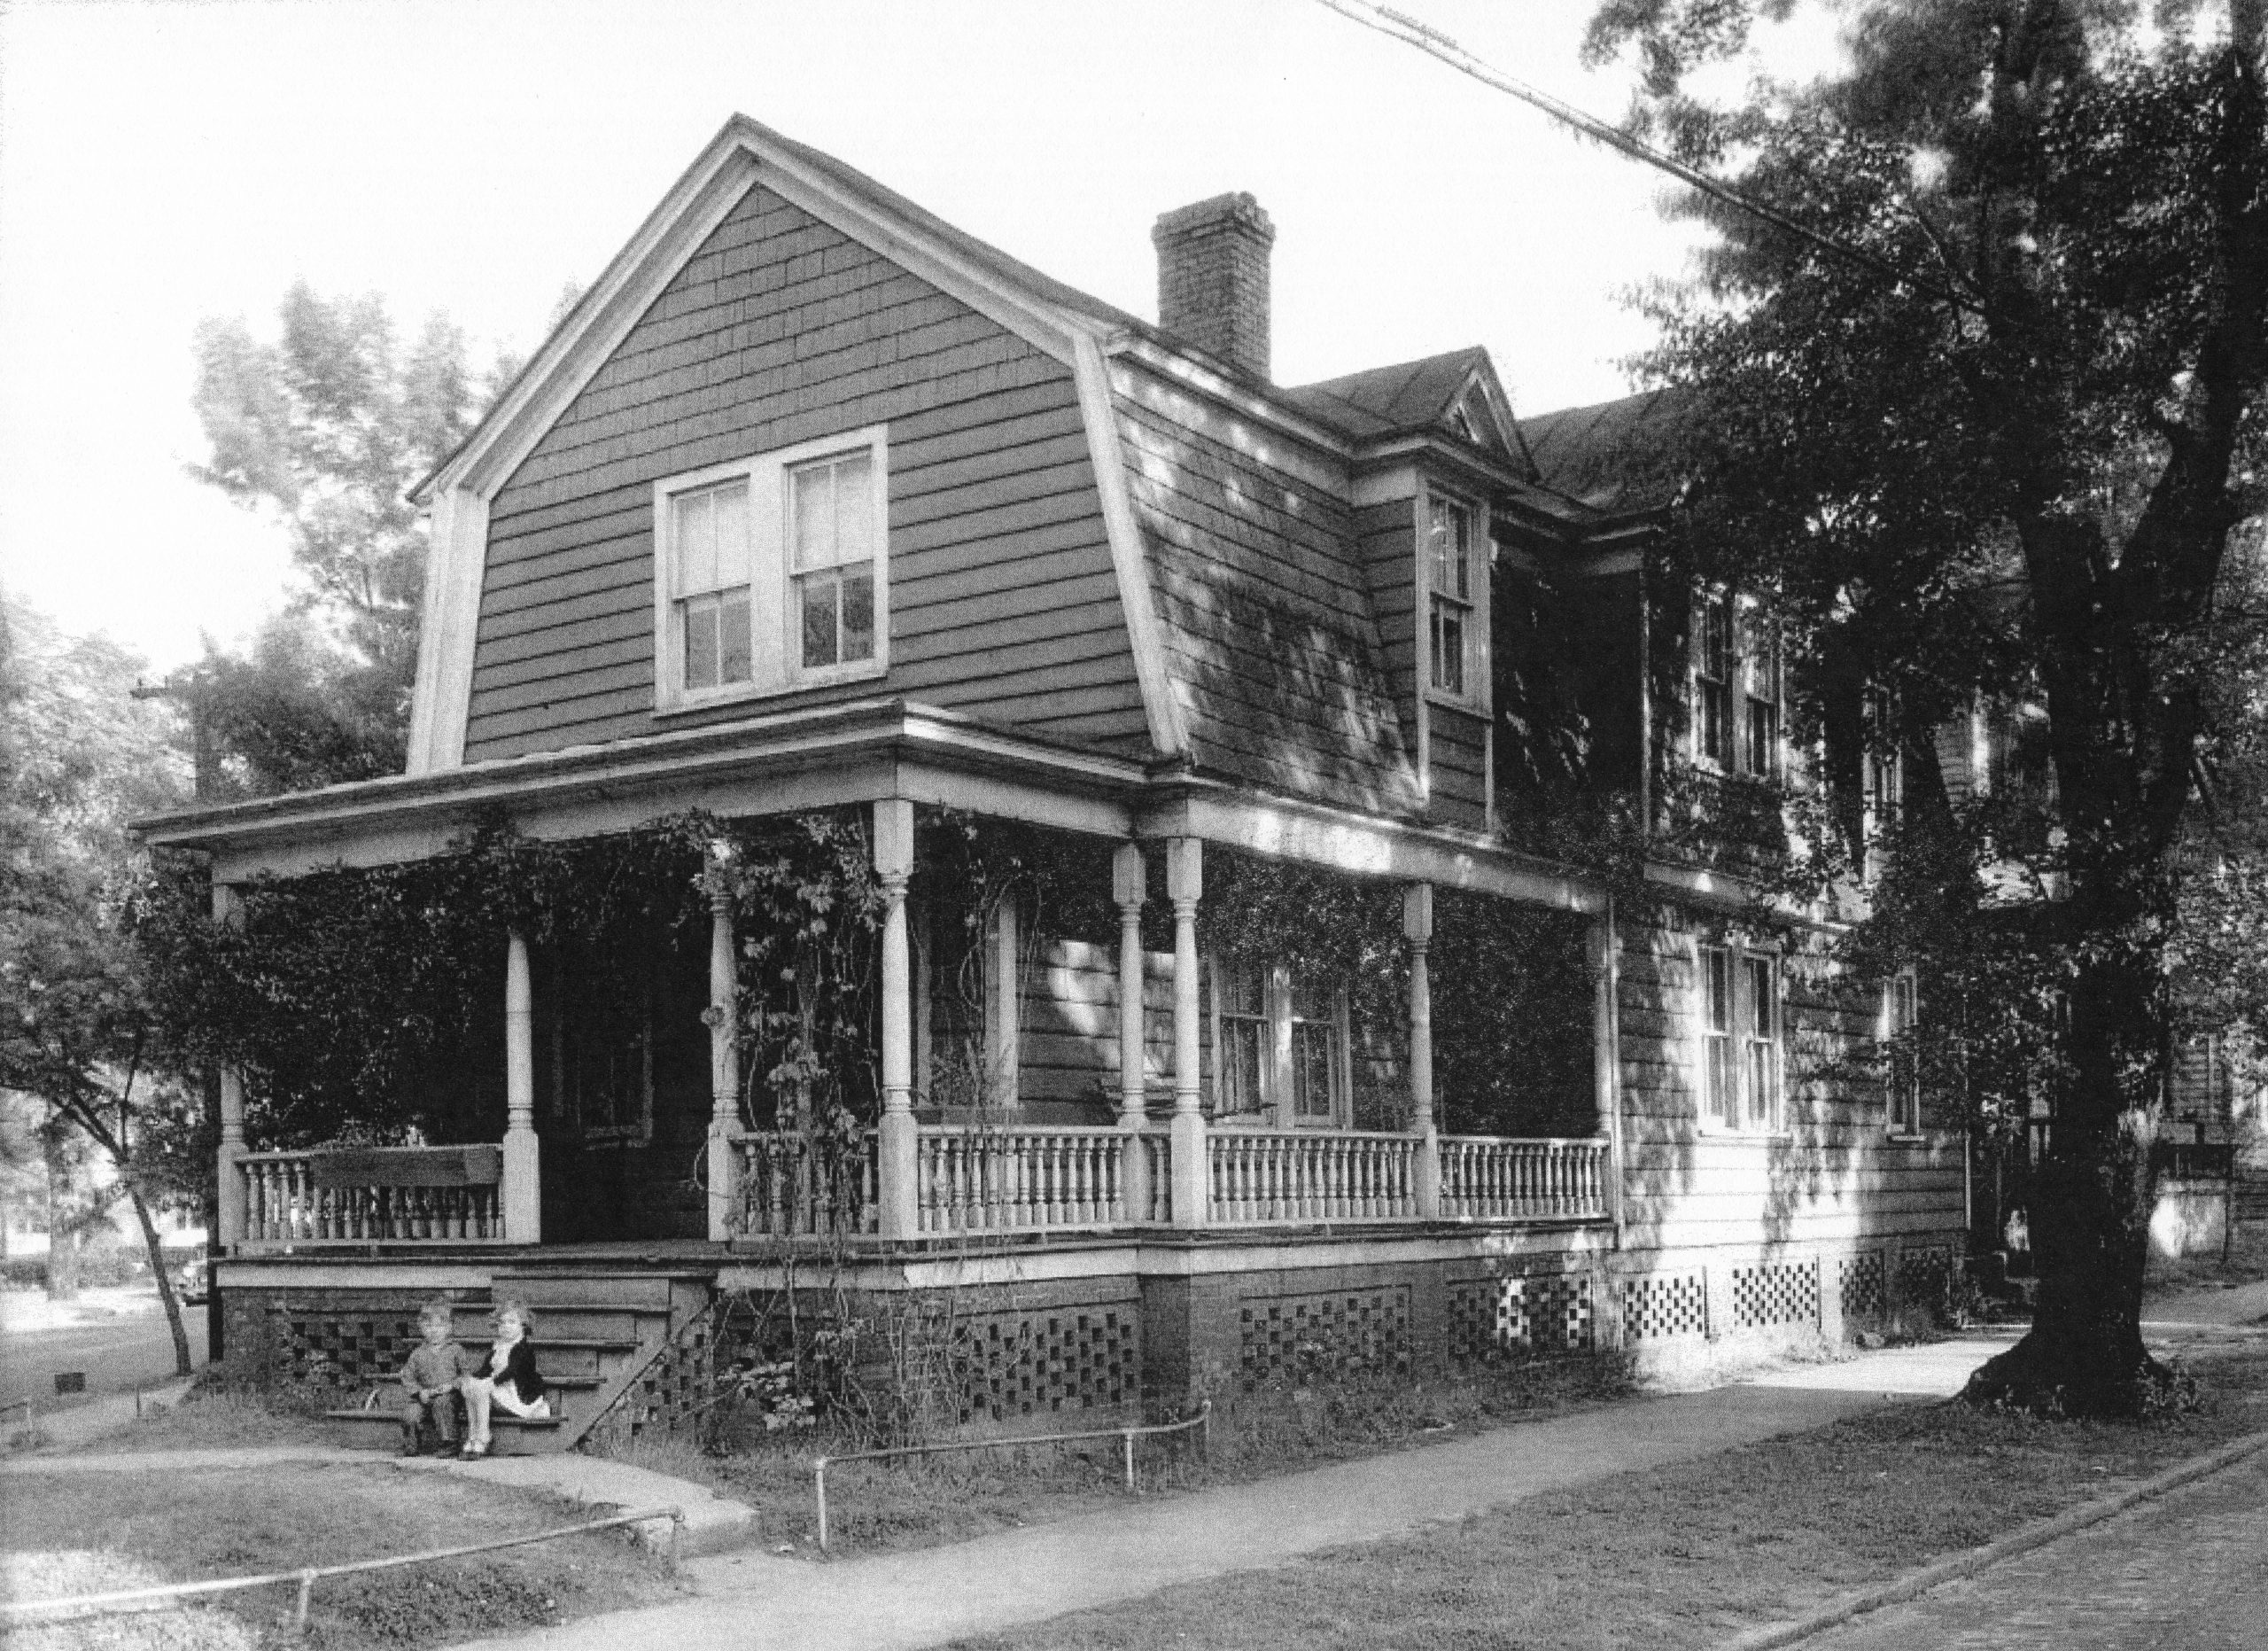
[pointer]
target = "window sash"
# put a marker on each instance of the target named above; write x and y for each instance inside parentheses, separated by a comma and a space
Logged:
(1452, 632)
(1901, 1012)
(1741, 1075)
(771, 572)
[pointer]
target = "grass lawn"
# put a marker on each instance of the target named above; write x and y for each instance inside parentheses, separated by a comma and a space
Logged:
(922, 1502)
(1687, 1555)
(70, 1533)
(214, 1418)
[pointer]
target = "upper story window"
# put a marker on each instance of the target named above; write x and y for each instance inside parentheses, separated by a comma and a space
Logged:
(1452, 544)
(1901, 1015)
(1885, 770)
(1740, 1039)
(771, 572)
(1736, 687)
(1279, 1042)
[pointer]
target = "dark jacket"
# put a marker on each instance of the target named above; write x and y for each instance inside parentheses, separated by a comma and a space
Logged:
(519, 1370)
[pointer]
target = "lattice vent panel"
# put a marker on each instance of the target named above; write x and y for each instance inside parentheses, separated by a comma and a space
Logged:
(676, 1389)
(344, 1350)
(1665, 1304)
(1922, 1275)
(1027, 1364)
(1863, 1280)
(1298, 1339)
(1786, 1293)
(1491, 1318)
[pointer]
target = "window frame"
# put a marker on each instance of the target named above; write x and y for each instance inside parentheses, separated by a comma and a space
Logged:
(1901, 1073)
(775, 649)
(1726, 1065)
(1276, 1107)
(1741, 620)
(1472, 658)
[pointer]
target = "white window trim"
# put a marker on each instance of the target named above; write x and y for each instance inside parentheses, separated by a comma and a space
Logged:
(1742, 612)
(1741, 1033)
(1275, 1110)
(1479, 544)
(774, 669)
(1901, 1097)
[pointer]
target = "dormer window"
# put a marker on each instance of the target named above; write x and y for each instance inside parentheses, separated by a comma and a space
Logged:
(1452, 636)
(771, 572)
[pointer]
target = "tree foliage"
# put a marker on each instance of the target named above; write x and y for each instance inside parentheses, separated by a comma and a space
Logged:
(79, 758)
(2023, 472)
(326, 430)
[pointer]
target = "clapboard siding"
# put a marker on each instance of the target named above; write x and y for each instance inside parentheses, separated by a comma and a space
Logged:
(1456, 765)
(1263, 602)
(1004, 602)
(1833, 1177)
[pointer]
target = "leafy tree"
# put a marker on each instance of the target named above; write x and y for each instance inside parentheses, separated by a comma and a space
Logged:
(79, 758)
(2027, 468)
(326, 430)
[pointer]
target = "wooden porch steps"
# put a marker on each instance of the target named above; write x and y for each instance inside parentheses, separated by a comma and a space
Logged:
(594, 1330)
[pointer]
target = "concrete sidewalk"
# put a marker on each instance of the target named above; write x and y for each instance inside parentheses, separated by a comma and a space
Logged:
(752, 1602)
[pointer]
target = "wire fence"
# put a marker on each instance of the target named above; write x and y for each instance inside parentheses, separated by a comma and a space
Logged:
(1202, 1419)
(16, 1612)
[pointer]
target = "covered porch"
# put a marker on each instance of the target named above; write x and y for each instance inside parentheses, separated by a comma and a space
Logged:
(1197, 1112)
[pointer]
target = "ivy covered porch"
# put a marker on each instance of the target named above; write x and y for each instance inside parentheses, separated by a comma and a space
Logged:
(1133, 1039)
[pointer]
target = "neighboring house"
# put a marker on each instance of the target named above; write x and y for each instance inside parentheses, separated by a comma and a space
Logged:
(814, 501)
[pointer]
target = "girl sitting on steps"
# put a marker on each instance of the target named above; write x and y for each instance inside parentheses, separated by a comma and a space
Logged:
(505, 1378)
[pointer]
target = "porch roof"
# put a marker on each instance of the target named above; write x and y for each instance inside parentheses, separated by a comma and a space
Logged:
(860, 752)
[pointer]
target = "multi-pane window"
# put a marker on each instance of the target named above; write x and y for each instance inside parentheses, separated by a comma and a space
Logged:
(1312, 1011)
(709, 532)
(1720, 1070)
(1450, 582)
(831, 510)
(1885, 773)
(771, 572)
(1712, 680)
(1240, 995)
(1278, 1042)
(1761, 1036)
(1900, 1013)
(1737, 686)
(1759, 696)
(1740, 1039)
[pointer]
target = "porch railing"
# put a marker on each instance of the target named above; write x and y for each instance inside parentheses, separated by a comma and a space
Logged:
(1261, 1176)
(1491, 1178)
(794, 1188)
(976, 1179)
(388, 1195)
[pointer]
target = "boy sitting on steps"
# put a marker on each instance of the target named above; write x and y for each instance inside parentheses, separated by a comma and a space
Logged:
(430, 1380)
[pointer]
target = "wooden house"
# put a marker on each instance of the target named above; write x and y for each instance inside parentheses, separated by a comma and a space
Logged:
(814, 502)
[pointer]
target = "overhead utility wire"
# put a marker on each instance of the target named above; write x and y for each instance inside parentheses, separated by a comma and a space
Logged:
(1434, 43)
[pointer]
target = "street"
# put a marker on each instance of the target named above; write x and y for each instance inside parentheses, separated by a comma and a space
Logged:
(118, 1338)
(2182, 1571)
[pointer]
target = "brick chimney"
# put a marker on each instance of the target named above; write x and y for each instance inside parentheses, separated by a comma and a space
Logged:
(1212, 277)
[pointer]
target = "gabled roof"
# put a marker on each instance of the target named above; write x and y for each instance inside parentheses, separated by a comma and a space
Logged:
(1613, 456)
(1457, 391)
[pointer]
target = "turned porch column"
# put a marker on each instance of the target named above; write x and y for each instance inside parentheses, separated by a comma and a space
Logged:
(523, 1167)
(724, 1062)
(1130, 886)
(900, 1137)
(231, 1209)
(1192, 1177)
(1606, 1052)
(1417, 928)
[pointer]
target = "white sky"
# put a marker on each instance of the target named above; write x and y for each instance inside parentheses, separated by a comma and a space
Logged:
(165, 160)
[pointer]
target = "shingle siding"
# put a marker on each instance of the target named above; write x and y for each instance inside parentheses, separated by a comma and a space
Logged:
(1264, 603)
(1003, 599)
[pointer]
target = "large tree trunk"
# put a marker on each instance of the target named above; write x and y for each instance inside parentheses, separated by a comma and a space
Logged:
(2090, 1209)
(62, 1232)
(183, 1365)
